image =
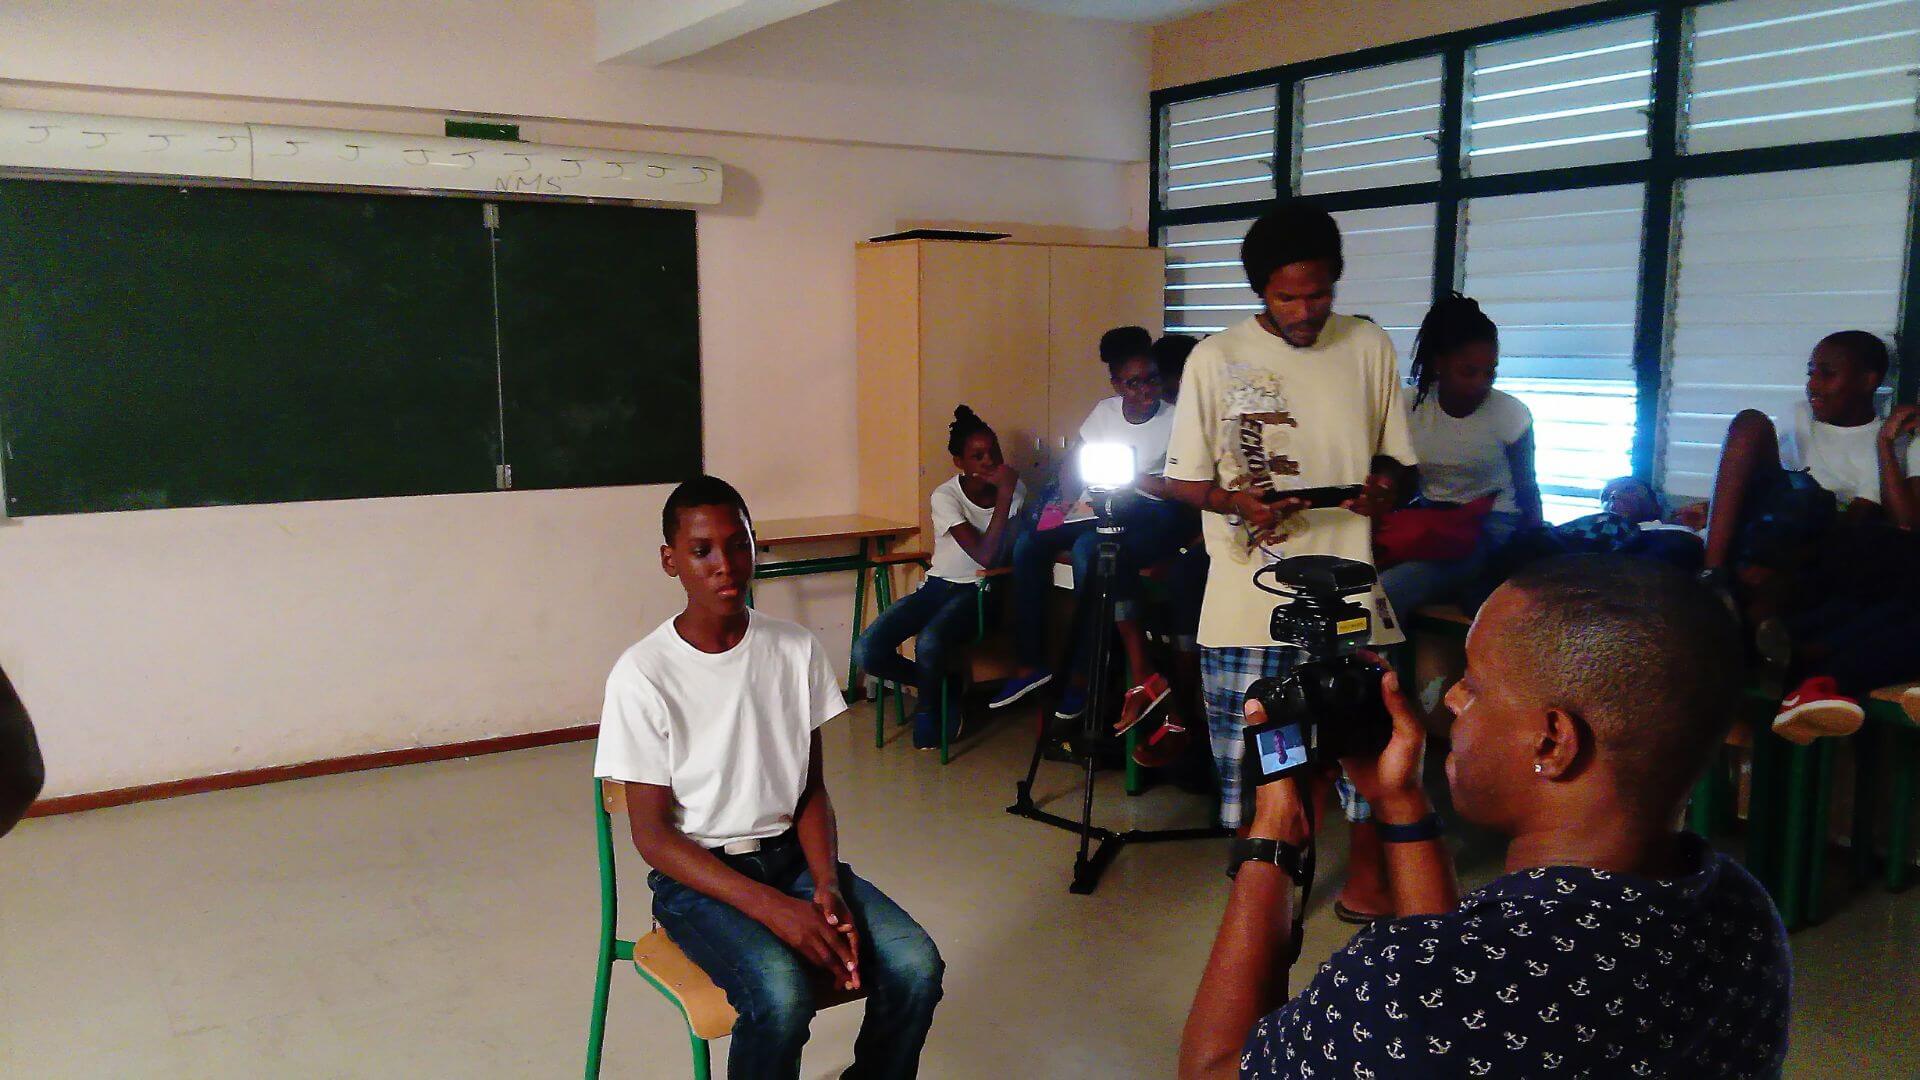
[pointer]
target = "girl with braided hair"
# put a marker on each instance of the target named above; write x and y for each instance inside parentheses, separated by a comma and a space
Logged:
(973, 515)
(1476, 452)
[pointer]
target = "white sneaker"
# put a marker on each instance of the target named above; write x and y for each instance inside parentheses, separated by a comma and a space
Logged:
(1817, 708)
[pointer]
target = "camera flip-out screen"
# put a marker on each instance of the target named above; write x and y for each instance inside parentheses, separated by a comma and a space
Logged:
(1279, 749)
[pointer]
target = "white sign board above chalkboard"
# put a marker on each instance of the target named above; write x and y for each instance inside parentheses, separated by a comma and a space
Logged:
(76, 142)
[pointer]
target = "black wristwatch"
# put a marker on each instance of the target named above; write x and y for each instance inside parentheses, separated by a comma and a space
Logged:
(1261, 849)
(1427, 828)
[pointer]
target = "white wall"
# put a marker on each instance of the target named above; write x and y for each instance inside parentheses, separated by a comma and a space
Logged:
(164, 644)
(903, 72)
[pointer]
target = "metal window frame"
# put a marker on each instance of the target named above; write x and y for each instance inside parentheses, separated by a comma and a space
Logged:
(1662, 172)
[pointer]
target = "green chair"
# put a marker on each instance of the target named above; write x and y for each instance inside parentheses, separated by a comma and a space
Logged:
(1786, 803)
(883, 595)
(1792, 791)
(1887, 720)
(702, 1004)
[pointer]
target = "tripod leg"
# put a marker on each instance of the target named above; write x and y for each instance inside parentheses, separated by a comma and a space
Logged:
(1100, 654)
(1082, 602)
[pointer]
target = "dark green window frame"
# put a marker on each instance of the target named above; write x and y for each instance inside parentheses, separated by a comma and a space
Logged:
(1662, 171)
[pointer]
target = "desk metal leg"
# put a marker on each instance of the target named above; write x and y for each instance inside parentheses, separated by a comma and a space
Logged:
(859, 614)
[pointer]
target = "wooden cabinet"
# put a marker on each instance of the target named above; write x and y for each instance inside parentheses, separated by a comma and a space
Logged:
(1010, 329)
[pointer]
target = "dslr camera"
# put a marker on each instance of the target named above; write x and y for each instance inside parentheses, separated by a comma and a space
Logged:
(1330, 705)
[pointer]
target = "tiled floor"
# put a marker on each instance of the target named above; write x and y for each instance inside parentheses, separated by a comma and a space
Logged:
(438, 921)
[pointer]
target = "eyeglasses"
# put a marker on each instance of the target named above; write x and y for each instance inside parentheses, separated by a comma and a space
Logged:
(1138, 383)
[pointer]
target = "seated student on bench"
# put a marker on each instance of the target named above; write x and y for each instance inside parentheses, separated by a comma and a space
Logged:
(1812, 531)
(1475, 443)
(713, 722)
(1155, 527)
(1186, 585)
(1643, 507)
(973, 525)
(1597, 689)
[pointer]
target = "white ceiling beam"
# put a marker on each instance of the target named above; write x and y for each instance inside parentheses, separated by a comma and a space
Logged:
(651, 32)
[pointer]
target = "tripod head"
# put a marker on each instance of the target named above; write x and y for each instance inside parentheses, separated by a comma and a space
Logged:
(1108, 470)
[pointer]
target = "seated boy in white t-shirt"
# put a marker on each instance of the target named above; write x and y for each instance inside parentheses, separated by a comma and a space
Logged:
(1812, 530)
(713, 721)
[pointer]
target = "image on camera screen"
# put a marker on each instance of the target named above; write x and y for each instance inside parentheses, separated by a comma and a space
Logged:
(1282, 748)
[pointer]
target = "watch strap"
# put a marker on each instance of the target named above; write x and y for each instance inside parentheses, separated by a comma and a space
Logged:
(1427, 828)
(1264, 849)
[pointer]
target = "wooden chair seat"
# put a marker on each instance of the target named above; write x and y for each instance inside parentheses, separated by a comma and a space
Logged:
(682, 980)
(702, 1002)
(1893, 695)
(897, 558)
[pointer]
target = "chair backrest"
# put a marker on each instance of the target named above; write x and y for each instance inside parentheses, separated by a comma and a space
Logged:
(611, 800)
(613, 796)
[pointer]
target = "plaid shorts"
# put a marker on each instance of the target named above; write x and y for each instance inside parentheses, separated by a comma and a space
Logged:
(1225, 675)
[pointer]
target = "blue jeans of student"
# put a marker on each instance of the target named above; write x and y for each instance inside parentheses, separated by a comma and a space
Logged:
(1412, 585)
(772, 987)
(1154, 532)
(937, 615)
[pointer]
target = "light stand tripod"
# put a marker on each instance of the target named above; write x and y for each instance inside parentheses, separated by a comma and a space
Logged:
(1093, 612)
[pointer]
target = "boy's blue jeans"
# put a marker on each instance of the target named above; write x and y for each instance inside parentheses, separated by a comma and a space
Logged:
(772, 987)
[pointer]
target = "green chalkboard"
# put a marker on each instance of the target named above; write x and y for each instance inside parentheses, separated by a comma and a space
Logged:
(169, 346)
(600, 344)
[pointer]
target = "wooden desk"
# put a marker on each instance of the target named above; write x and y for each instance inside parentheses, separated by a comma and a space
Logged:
(812, 530)
(872, 535)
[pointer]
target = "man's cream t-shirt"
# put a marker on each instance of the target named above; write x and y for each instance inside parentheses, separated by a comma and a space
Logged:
(1257, 412)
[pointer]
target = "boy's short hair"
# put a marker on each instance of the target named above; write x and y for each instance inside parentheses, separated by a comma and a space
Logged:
(700, 491)
(1124, 343)
(1295, 230)
(1607, 629)
(1863, 348)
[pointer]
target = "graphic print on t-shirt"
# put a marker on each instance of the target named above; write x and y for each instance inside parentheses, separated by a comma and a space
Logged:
(1257, 443)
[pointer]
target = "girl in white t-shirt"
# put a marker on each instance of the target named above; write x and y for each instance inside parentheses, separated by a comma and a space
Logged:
(1475, 445)
(973, 516)
(1155, 527)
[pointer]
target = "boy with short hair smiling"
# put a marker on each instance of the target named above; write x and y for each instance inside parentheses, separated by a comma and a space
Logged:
(1812, 529)
(713, 721)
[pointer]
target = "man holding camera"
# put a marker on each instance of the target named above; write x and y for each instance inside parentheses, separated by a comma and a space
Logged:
(1295, 398)
(1596, 691)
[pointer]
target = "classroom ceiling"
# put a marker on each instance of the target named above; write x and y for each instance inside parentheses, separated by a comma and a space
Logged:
(650, 32)
(1137, 11)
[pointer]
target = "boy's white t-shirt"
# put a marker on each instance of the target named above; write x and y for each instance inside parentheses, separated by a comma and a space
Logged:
(1253, 406)
(1844, 460)
(1463, 458)
(729, 732)
(951, 507)
(1108, 423)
